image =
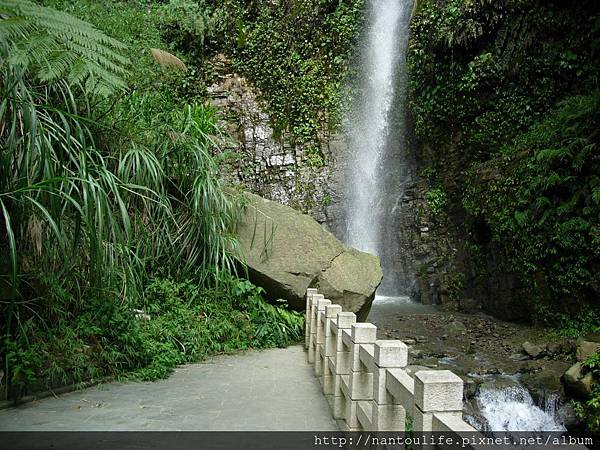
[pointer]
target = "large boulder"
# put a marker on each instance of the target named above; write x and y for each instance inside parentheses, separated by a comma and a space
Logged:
(287, 252)
(578, 382)
(587, 346)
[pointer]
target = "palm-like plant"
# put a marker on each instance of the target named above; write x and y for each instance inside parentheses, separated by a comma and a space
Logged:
(57, 191)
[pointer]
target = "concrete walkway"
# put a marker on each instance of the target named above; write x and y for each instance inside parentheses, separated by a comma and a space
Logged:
(271, 390)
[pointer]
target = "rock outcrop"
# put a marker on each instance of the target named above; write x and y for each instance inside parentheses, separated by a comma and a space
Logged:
(587, 346)
(269, 163)
(578, 383)
(577, 379)
(287, 252)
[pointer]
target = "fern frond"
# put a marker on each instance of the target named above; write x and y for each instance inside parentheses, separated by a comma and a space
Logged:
(54, 45)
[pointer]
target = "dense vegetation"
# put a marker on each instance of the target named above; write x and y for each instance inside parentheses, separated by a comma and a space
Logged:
(505, 100)
(306, 46)
(118, 234)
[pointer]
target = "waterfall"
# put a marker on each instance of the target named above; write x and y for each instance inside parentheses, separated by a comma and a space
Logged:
(377, 169)
(512, 409)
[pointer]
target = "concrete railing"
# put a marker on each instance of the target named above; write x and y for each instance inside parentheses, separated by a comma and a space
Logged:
(365, 379)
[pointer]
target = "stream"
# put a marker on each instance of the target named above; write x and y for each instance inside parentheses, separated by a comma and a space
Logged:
(495, 396)
(511, 408)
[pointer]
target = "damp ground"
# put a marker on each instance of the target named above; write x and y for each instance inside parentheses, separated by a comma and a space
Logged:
(476, 347)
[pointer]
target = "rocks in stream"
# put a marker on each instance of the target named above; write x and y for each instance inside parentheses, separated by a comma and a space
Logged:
(540, 383)
(519, 357)
(535, 351)
(578, 382)
(471, 387)
(577, 379)
(479, 348)
(416, 354)
(554, 348)
(569, 418)
(287, 252)
(456, 327)
(549, 350)
(587, 346)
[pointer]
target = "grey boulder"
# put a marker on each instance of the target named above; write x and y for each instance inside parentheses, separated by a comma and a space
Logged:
(578, 382)
(535, 351)
(287, 252)
(587, 346)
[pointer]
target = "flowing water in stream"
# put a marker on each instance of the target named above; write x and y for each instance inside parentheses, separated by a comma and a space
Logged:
(513, 409)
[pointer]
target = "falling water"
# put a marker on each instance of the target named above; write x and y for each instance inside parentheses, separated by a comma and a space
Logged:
(378, 170)
(512, 409)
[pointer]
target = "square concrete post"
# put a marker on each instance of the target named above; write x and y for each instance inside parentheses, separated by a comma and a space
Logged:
(313, 327)
(401, 386)
(360, 382)
(327, 377)
(388, 414)
(320, 335)
(309, 294)
(436, 391)
(342, 361)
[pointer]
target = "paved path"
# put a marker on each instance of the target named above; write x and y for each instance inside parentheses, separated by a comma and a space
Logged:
(257, 390)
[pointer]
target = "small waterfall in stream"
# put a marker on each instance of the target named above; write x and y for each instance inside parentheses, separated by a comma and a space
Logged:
(378, 170)
(512, 409)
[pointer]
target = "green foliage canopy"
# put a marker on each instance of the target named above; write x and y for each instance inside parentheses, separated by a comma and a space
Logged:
(297, 54)
(57, 46)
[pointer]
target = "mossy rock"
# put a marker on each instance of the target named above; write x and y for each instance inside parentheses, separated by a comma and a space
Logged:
(287, 252)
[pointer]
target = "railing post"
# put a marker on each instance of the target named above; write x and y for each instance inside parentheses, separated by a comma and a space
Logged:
(341, 362)
(328, 348)
(388, 414)
(313, 327)
(359, 384)
(365, 380)
(436, 391)
(320, 334)
(309, 295)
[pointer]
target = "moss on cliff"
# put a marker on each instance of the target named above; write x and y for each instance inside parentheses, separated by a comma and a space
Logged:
(504, 98)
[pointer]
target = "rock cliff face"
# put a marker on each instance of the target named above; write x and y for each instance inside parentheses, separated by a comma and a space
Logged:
(438, 248)
(272, 166)
(434, 247)
(287, 252)
(267, 163)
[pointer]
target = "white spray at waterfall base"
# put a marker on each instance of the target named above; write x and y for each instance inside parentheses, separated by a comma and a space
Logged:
(512, 409)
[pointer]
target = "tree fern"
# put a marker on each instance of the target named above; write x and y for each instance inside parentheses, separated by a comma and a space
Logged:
(55, 45)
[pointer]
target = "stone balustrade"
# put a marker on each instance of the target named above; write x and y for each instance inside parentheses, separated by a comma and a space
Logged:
(365, 379)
